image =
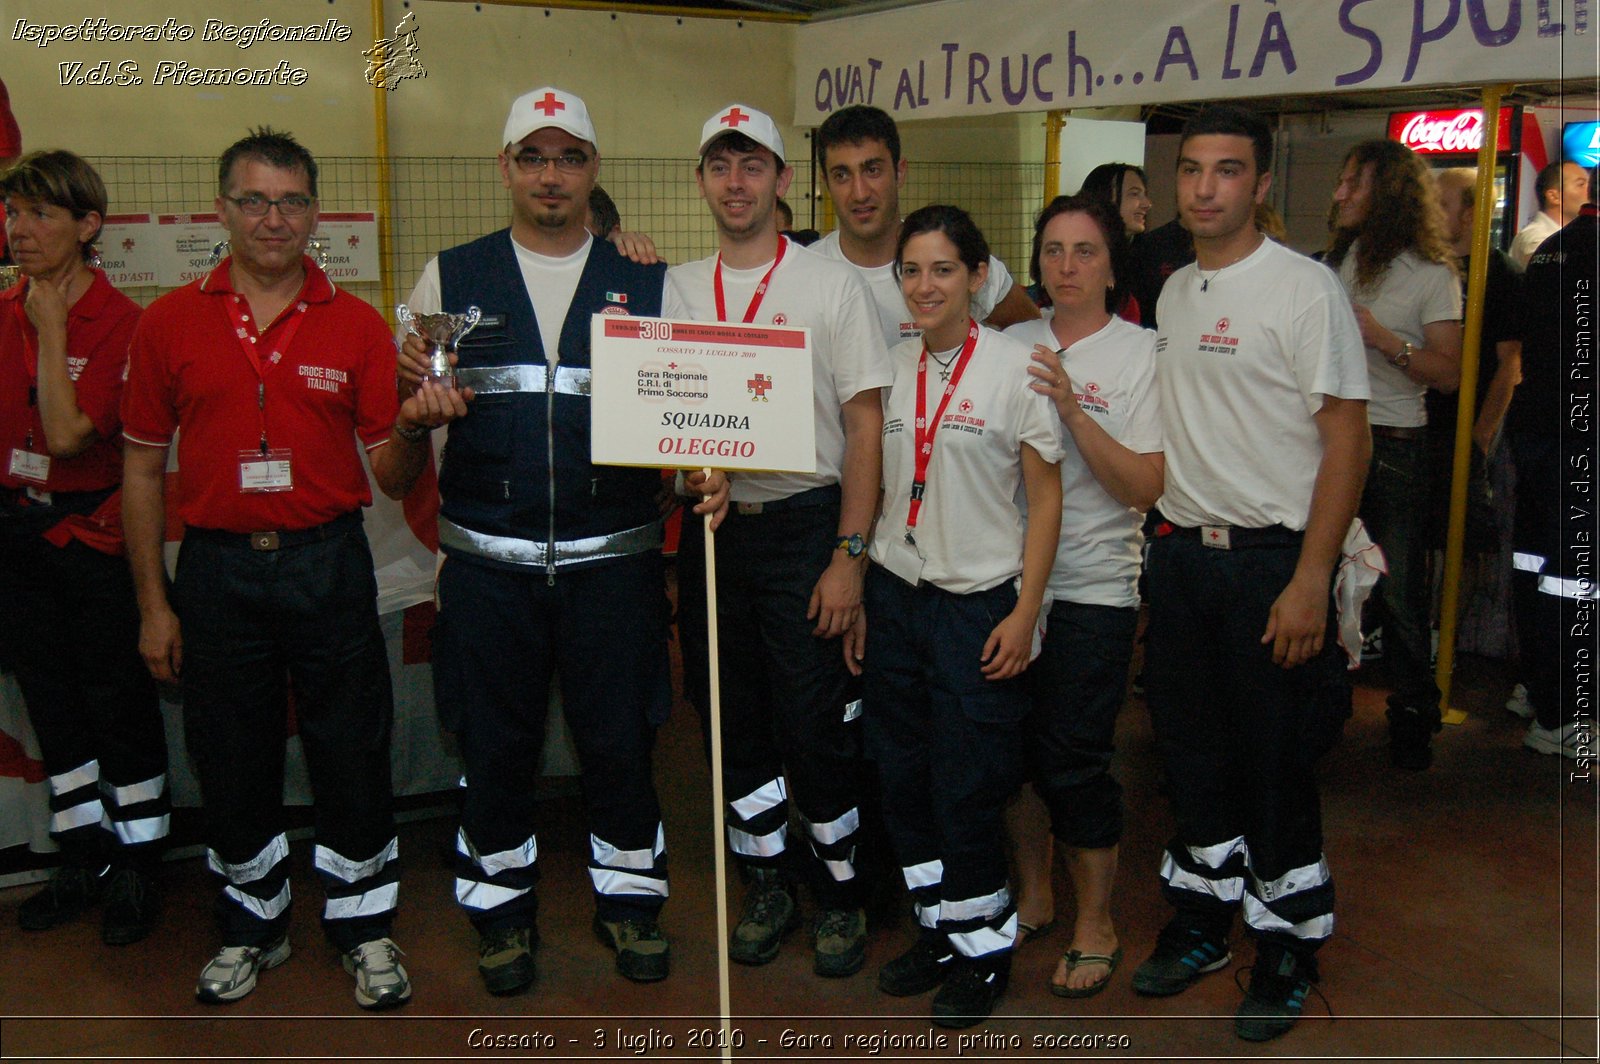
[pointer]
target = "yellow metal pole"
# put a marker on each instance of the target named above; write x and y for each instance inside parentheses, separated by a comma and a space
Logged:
(1053, 121)
(1466, 398)
(380, 126)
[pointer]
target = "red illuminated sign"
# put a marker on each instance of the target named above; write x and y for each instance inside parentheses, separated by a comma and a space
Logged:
(1446, 132)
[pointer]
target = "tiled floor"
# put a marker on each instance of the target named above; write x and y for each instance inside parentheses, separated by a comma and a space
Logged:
(1467, 930)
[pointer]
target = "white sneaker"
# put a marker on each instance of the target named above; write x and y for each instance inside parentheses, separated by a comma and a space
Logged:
(1563, 740)
(381, 983)
(231, 974)
(1518, 702)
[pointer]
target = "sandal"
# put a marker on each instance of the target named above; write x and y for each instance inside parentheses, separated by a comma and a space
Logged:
(1076, 959)
(1027, 932)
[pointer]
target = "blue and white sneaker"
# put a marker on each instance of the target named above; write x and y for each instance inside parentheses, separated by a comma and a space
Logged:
(1182, 955)
(1279, 983)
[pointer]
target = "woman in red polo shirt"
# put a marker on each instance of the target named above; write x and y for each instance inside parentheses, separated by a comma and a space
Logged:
(72, 628)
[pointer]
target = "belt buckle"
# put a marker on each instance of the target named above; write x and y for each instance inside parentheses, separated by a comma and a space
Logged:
(1216, 537)
(749, 509)
(263, 541)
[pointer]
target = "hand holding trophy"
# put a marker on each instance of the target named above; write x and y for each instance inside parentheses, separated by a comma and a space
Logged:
(445, 331)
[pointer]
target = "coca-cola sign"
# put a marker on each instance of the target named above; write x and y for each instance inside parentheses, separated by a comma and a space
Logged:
(1446, 132)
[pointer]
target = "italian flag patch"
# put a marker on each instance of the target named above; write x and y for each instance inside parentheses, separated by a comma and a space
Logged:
(616, 297)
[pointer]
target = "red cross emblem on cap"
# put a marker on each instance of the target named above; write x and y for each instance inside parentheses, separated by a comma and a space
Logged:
(734, 117)
(549, 105)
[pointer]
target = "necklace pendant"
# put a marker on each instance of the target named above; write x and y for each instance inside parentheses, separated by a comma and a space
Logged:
(944, 374)
(1205, 284)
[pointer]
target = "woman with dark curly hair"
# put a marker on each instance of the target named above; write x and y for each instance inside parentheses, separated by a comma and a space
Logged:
(1390, 249)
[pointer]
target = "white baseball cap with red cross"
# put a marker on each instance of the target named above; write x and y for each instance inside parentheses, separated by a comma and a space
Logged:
(548, 108)
(738, 118)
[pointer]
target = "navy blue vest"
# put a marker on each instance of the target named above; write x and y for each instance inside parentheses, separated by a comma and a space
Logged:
(496, 472)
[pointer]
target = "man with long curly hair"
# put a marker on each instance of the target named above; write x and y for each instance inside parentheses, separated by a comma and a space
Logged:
(1391, 251)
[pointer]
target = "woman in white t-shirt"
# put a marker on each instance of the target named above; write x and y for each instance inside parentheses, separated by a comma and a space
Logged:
(952, 601)
(1099, 371)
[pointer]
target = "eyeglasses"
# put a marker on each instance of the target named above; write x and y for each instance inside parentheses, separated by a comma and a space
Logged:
(568, 162)
(256, 206)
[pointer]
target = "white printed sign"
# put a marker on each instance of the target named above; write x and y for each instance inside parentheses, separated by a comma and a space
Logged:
(689, 394)
(350, 245)
(184, 244)
(127, 248)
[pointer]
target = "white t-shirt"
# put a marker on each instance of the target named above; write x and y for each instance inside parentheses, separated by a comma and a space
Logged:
(1241, 369)
(550, 281)
(1411, 293)
(971, 527)
(893, 316)
(1113, 374)
(1528, 239)
(847, 352)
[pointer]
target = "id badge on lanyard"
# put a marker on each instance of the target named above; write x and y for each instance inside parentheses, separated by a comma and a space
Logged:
(29, 465)
(263, 471)
(264, 468)
(26, 463)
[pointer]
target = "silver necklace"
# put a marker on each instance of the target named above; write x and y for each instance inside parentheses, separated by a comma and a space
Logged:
(945, 363)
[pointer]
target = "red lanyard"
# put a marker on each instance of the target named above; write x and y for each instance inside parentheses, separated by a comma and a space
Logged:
(248, 344)
(761, 289)
(925, 429)
(30, 357)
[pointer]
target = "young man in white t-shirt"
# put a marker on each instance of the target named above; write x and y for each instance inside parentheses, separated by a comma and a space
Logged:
(791, 558)
(1263, 388)
(858, 151)
(548, 558)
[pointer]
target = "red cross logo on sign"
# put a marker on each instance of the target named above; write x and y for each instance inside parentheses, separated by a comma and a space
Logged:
(734, 117)
(549, 105)
(354, 241)
(128, 244)
(759, 386)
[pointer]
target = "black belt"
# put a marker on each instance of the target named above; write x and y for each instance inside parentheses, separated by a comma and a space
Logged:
(18, 501)
(1229, 537)
(828, 493)
(1397, 432)
(278, 540)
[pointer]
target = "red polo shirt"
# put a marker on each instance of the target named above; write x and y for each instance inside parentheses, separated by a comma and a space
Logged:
(99, 326)
(334, 384)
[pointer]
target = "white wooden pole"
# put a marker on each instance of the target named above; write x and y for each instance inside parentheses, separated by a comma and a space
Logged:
(719, 838)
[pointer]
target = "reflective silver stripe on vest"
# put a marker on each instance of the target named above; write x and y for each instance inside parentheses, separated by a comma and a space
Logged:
(497, 380)
(533, 552)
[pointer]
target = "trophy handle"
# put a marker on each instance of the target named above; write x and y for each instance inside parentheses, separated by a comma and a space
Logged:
(473, 316)
(405, 317)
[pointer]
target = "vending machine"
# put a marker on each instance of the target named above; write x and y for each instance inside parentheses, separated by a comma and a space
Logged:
(1452, 138)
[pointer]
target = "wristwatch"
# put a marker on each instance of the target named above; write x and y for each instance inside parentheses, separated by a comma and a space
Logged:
(853, 545)
(1403, 358)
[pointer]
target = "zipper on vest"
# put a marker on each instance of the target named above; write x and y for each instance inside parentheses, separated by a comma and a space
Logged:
(550, 461)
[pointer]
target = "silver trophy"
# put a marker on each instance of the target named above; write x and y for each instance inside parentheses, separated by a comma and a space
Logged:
(445, 331)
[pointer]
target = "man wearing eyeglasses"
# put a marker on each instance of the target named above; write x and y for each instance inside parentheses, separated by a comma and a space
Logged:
(552, 564)
(269, 377)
